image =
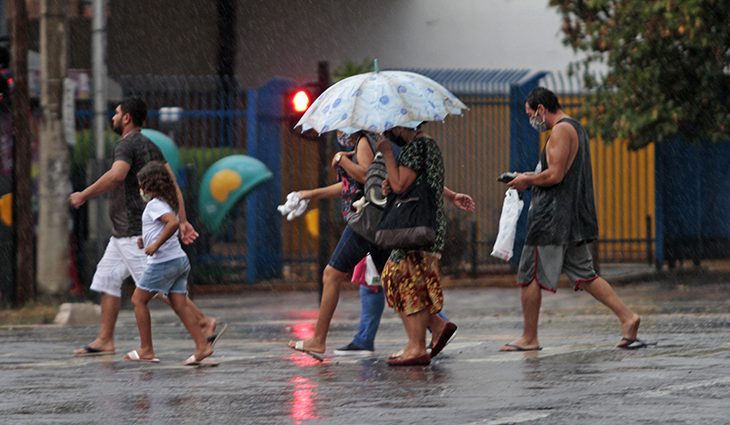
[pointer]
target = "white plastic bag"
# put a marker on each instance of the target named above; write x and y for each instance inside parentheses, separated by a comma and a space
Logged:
(372, 277)
(511, 210)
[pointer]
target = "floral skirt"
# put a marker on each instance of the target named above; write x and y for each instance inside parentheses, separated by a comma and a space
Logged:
(412, 284)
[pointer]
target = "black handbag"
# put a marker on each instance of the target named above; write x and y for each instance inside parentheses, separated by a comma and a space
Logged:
(365, 221)
(409, 220)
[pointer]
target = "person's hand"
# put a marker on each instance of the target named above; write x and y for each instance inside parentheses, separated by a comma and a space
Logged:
(140, 243)
(188, 234)
(76, 199)
(464, 202)
(383, 144)
(305, 194)
(385, 187)
(339, 156)
(150, 250)
(521, 182)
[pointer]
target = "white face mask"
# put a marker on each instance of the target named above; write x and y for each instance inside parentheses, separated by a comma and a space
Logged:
(540, 126)
(145, 197)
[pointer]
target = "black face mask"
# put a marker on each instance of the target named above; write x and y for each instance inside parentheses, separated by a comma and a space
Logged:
(398, 140)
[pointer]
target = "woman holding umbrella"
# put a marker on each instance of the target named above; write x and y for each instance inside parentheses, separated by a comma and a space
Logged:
(375, 101)
(352, 248)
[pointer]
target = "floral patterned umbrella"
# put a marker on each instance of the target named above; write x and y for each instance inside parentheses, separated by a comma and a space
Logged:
(377, 101)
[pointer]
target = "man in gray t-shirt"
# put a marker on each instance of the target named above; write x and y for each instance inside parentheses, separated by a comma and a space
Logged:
(122, 258)
(561, 223)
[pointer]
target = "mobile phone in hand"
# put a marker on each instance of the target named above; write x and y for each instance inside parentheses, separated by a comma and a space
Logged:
(506, 177)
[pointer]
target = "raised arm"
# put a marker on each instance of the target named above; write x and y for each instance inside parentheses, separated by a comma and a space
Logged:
(112, 178)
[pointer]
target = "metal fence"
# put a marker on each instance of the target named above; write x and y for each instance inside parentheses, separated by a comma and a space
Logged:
(476, 148)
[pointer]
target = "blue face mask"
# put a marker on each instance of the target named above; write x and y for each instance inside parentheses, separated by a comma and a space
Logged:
(539, 126)
(345, 140)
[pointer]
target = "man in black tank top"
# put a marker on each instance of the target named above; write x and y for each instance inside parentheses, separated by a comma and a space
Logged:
(561, 223)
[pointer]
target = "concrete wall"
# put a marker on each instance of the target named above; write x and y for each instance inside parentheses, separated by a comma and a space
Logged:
(289, 37)
(162, 37)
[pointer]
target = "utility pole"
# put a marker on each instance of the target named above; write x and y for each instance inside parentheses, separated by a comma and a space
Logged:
(22, 189)
(54, 184)
(97, 209)
(323, 151)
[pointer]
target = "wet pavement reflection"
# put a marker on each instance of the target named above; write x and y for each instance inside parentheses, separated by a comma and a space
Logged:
(578, 377)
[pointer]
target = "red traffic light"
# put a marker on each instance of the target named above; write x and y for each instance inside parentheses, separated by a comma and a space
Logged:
(300, 101)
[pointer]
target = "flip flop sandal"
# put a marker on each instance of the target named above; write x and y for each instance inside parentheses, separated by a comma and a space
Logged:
(299, 346)
(89, 351)
(133, 356)
(517, 348)
(634, 344)
(213, 339)
(193, 361)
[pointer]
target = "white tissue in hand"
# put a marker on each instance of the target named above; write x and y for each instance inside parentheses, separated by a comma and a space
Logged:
(294, 206)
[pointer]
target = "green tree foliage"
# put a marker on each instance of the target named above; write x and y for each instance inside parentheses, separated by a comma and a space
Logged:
(667, 67)
(350, 68)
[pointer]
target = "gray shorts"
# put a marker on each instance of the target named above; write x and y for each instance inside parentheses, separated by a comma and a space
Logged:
(544, 264)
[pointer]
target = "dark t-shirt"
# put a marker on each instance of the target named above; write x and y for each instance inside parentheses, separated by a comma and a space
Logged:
(126, 205)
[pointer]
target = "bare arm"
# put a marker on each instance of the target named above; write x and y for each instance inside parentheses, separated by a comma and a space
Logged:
(188, 234)
(171, 224)
(560, 150)
(400, 178)
(460, 200)
(112, 178)
(327, 192)
(364, 159)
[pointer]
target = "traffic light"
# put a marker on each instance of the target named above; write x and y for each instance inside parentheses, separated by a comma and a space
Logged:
(298, 99)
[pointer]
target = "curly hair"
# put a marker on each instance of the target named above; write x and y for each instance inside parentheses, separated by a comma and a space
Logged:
(156, 181)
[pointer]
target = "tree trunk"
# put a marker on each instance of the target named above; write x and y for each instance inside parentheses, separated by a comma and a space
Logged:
(22, 188)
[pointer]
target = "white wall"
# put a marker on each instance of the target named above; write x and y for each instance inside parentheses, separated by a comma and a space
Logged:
(289, 37)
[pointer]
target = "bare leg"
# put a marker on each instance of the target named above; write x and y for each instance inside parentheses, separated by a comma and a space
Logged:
(415, 326)
(104, 341)
(140, 299)
(436, 323)
(332, 281)
(207, 324)
(180, 303)
(603, 292)
(531, 298)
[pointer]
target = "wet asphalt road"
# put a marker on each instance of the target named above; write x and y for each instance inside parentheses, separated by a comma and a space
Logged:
(579, 378)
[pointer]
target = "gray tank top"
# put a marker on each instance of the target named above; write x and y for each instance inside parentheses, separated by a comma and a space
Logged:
(565, 213)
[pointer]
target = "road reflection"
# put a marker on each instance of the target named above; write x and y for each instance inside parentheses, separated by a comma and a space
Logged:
(304, 396)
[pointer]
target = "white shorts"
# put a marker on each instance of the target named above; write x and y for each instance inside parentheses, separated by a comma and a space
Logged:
(121, 259)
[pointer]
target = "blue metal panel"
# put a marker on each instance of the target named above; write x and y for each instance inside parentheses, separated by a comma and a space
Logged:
(474, 81)
(524, 148)
(264, 135)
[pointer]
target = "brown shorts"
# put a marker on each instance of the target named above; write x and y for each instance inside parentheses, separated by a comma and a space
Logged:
(544, 264)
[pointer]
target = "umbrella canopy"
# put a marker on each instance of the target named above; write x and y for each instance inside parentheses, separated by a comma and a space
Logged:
(377, 101)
